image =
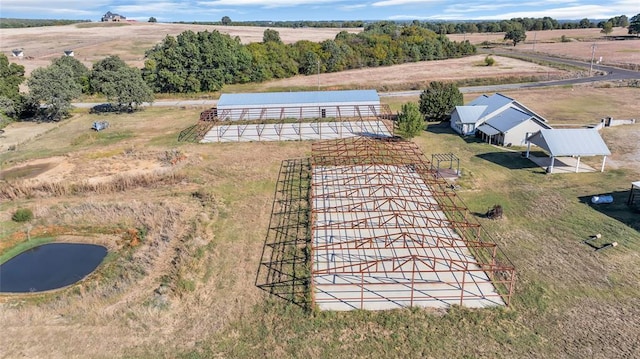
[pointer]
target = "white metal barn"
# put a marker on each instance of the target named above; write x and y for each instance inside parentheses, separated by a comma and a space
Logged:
(298, 105)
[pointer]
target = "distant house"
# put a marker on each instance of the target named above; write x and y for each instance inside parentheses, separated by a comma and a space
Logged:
(69, 53)
(497, 119)
(111, 17)
(17, 53)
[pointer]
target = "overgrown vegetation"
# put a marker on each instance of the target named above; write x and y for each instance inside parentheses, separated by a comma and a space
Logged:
(22, 215)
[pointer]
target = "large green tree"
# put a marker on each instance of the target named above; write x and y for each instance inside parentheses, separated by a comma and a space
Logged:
(104, 72)
(410, 120)
(439, 99)
(271, 35)
(80, 71)
(128, 90)
(607, 28)
(195, 62)
(515, 35)
(123, 86)
(634, 25)
(11, 76)
(54, 87)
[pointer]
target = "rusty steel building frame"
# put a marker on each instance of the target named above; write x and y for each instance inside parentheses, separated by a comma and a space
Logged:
(382, 180)
(284, 266)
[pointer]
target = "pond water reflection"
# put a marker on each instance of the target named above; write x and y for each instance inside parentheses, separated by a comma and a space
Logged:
(49, 266)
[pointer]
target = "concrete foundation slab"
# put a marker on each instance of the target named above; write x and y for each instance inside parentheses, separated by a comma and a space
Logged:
(297, 131)
(562, 164)
(380, 243)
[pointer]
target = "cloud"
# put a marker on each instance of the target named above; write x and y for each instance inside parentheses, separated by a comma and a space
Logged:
(571, 12)
(404, 2)
(353, 7)
(267, 3)
(53, 7)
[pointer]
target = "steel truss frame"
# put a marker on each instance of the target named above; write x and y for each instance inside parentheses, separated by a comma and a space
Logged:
(347, 119)
(284, 266)
(381, 217)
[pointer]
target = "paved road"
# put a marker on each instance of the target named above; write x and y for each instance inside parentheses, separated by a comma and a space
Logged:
(601, 73)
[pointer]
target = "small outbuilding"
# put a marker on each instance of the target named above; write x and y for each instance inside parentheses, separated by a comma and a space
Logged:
(17, 53)
(497, 119)
(69, 53)
(570, 143)
(299, 105)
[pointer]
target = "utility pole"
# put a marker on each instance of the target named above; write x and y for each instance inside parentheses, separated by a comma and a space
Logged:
(593, 55)
(535, 36)
(318, 75)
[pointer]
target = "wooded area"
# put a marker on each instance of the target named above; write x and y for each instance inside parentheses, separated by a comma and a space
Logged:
(205, 61)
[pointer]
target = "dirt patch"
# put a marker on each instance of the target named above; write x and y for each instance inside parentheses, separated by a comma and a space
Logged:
(420, 74)
(78, 168)
(18, 133)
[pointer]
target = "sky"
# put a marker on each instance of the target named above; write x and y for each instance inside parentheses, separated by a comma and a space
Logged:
(291, 10)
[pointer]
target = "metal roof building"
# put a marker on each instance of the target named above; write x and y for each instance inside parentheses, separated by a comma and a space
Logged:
(311, 104)
(499, 118)
(578, 143)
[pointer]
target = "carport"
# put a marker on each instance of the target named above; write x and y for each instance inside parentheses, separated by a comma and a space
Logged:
(569, 143)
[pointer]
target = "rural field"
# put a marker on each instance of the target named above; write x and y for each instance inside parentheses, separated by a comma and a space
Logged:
(94, 41)
(578, 44)
(186, 223)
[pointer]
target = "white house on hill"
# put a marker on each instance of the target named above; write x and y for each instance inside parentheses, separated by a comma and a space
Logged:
(497, 119)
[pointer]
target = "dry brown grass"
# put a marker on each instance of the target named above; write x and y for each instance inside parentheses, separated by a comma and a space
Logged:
(130, 41)
(19, 189)
(578, 45)
(417, 75)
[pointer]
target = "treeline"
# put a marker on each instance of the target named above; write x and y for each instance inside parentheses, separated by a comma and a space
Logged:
(205, 61)
(443, 27)
(526, 23)
(7, 23)
(285, 24)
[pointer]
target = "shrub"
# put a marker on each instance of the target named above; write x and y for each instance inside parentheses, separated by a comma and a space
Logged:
(22, 215)
(489, 61)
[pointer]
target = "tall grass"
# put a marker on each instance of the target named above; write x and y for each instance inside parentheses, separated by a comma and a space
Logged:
(121, 183)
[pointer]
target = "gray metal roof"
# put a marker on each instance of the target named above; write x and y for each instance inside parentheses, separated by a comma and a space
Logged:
(470, 114)
(508, 119)
(488, 130)
(297, 98)
(492, 103)
(571, 142)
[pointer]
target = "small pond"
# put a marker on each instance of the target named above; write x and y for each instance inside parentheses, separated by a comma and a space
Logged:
(49, 266)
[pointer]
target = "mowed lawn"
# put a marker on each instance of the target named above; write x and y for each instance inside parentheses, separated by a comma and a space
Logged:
(570, 301)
